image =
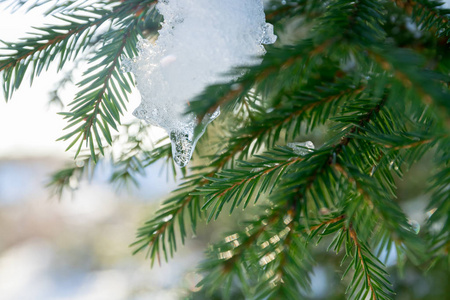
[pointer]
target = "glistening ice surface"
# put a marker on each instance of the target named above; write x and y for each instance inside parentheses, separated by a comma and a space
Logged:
(301, 148)
(200, 41)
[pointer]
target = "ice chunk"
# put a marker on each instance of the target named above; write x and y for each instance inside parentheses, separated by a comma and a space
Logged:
(200, 41)
(268, 36)
(302, 148)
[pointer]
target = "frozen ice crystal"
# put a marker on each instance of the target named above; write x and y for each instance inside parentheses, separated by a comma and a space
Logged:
(301, 148)
(200, 41)
(268, 36)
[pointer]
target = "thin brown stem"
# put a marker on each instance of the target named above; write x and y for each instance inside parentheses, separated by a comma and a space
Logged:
(265, 172)
(364, 266)
(332, 221)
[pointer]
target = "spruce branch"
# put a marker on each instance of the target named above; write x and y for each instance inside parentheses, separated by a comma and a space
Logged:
(64, 41)
(308, 108)
(69, 178)
(358, 23)
(315, 172)
(407, 68)
(369, 279)
(272, 253)
(154, 233)
(240, 185)
(105, 100)
(278, 12)
(150, 235)
(380, 207)
(385, 95)
(439, 206)
(223, 261)
(291, 257)
(374, 194)
(246, 181)
(127, 164)
(160, 230)
(368, 266)
(429, 15)
(271, 257)
(324, 225)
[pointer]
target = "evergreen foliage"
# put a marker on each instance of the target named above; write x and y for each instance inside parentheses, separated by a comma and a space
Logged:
(373, 74)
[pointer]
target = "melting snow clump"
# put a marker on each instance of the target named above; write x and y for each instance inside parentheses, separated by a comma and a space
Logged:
(302, 148)
(200, 41)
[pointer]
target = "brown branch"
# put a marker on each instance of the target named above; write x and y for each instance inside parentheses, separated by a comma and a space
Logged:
(189, 198)
(161, 230)
(228, 266)
(409, 5)
(92, 117)
(64, 36)
(277, 12)
(51, 42)
(363, 122)
(346, 139)
(412, 145)
(402, 77)
(332, 221)
(340, 146)
(239, 147)
(354, 237)
(350, 179)
(267, 171)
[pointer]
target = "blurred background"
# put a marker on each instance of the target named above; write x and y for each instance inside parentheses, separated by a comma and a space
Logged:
(77, 248)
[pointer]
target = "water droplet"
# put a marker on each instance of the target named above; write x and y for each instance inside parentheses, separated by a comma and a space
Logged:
(414, 225)
(73, 182)
(79, 163)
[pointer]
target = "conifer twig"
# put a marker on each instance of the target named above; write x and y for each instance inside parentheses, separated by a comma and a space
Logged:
(364, 266)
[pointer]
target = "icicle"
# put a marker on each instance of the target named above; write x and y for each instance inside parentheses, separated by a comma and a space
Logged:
(199, 42)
